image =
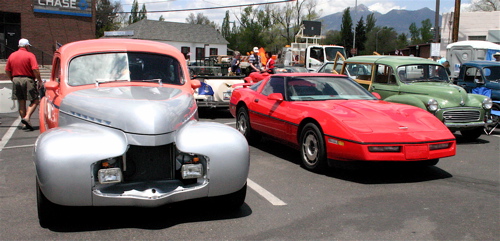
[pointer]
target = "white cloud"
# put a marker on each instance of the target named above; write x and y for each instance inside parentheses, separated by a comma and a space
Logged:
(384, 7)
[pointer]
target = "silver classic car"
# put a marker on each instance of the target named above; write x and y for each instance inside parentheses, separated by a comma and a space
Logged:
(119, 127)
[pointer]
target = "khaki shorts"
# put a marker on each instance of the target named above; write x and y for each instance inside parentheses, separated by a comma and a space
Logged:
(24, 88)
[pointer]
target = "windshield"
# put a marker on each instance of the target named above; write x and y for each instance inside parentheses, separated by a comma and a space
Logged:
(325, 88)
(492, 73)
(111, 67)
(422, 73)
(331, 52)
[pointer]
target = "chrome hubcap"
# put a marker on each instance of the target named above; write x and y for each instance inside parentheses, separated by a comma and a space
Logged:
(310, 148)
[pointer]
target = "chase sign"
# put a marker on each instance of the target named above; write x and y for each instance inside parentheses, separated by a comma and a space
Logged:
(82, 8)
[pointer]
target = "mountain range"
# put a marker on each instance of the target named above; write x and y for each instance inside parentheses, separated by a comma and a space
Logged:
(400, 20)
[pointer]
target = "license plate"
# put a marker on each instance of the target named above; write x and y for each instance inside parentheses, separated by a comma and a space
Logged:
(416, 152)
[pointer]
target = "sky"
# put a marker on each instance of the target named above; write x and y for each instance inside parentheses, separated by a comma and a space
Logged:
(324, 7)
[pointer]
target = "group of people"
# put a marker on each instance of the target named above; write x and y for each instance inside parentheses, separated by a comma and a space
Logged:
(22, 69)
(255, 62)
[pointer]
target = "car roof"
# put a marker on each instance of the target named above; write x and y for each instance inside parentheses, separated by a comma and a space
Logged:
(389, 60)
(481, 64)
(305, 74)
(118, 45)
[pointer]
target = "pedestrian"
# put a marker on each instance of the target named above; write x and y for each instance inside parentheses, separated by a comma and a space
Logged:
(254, 60)
(446, 65)
(270, 63)
(235, 63)
(22, 70)
(497, 56)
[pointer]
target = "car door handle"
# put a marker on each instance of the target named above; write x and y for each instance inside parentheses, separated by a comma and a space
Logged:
(256, 100)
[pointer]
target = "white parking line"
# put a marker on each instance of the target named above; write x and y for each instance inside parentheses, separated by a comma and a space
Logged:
(265, 194)
(22, 146)
(230, 123)
(6, 137)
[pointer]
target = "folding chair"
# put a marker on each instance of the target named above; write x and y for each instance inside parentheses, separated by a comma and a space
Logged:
(495, 114)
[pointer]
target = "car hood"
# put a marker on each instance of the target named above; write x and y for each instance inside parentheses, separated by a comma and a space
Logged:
(369, 120)
(448, 95)
(132, 109)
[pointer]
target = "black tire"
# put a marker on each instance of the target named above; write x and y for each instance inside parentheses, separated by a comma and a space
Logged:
(244, 127)
(312, 148)
(47, 210)
(232, 201)
(431, 162)
(473, 134)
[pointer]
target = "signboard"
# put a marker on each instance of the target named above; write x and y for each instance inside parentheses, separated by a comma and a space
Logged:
(435, 49)
(82, 8)
(312, 28)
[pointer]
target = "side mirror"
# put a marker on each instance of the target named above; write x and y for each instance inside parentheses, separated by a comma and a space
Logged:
(195, 84)
(51, 85)
(276, 97)
(377, 95)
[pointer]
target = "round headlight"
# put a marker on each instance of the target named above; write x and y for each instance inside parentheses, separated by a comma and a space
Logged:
(432, 105)
(487, 103)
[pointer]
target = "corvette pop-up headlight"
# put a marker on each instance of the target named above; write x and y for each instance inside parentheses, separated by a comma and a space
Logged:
(432, 105)
(190, 166)
(487, 103)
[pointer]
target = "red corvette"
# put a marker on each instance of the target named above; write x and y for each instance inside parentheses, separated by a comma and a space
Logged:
(330, 117)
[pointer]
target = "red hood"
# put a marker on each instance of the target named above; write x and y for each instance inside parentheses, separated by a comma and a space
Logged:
(380, 121)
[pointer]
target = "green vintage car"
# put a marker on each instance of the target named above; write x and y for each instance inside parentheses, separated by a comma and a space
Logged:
(423, 83)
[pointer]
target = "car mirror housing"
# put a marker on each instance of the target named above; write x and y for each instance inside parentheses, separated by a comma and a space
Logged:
(51, 85)
(276, 96)
(195, 84)
(377, 95)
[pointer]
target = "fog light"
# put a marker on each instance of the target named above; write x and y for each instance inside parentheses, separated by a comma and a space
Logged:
(384, 148)
(110, 175)
(190, 171)
(439, 146)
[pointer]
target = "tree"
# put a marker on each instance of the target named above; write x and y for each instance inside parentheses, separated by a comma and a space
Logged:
(226, 28)
(135, 14)
(402, 41)
(485, 6)
(426, 33)
(346, 29)
(107, 17)
(414, 34)
(200, 19)
(360, 35)
(370, 22)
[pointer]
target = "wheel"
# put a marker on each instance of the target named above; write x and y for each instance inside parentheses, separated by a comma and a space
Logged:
(46, 209)
(233, 200)
(431, 162)
(243, 126)
(312, 148)
(473, 134)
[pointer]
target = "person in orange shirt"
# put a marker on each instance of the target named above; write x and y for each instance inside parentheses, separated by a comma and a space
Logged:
(22, 70)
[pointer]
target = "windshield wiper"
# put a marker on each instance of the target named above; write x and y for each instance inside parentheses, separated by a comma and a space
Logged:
(103, 81)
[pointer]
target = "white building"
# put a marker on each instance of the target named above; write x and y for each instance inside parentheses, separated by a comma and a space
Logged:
(483, 26)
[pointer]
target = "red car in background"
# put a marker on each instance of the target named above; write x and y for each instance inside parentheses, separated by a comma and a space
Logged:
(330, 117)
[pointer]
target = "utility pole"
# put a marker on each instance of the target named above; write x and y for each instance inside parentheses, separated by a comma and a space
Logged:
(436, 24)
(456, 20)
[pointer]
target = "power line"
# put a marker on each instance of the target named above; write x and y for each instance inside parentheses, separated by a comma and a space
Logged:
(209, 8)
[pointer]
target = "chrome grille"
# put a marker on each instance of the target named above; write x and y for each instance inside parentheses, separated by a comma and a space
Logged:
(148, 163)
(461, 115)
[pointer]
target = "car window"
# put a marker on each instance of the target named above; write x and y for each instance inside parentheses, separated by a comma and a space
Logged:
(274, 85)
(472, 73)
(492, 73)
(422, 73)
(312, 88)
(385, 75)
(131, 66)
(327, 68)
(359, 71)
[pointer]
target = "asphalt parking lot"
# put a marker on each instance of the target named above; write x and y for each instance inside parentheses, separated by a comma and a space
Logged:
(455, 200)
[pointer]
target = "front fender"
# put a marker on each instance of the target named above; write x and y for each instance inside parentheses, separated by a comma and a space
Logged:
(227, 151)
(415, 100)
(64, 156)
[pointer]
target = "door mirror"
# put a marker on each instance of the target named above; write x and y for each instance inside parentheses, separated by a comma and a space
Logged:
(195, 84)
(51, 85)
(276, 97)
(377, 95)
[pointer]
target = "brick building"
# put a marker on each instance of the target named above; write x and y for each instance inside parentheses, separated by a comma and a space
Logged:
(45, 23)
